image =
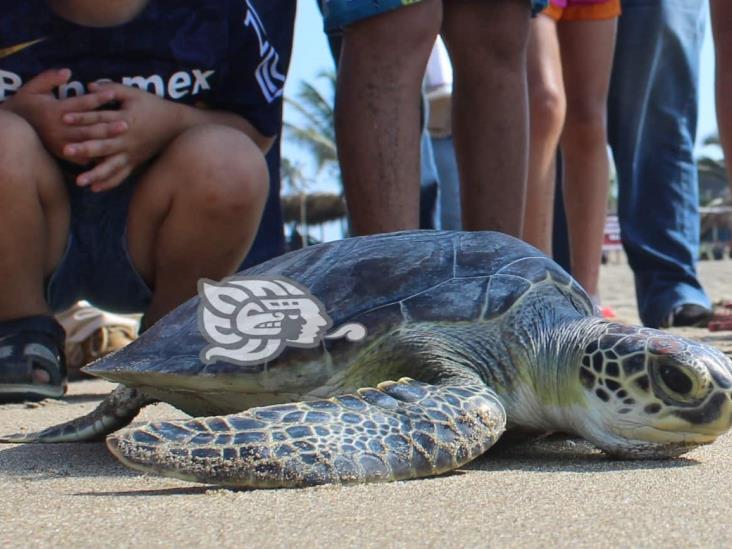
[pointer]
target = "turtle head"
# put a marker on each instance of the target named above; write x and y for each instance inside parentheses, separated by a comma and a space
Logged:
(651, 394)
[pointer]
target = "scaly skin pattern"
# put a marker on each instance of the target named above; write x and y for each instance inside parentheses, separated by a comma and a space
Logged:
(117, 410)
(400, 430)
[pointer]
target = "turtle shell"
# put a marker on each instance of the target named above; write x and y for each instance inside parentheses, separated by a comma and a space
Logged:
(378, 281)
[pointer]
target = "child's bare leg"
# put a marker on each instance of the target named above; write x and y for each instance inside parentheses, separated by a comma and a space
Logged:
(195, 213)
(34, 218)
(722, 28)
(587, 54)
(487, 44)
(377, 115)
(547, 107)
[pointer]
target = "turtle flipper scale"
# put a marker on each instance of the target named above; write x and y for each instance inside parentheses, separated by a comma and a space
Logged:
(401, 430)
(117, 410)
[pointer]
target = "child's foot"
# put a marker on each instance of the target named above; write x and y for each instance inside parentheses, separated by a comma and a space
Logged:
(32, 365)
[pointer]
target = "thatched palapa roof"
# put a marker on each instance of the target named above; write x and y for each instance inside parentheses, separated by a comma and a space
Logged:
(319, 208)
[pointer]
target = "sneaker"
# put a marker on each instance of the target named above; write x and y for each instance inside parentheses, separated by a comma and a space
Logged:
(687, 314)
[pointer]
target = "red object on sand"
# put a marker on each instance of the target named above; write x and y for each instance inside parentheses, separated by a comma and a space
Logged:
(720, 325)
(722, 321)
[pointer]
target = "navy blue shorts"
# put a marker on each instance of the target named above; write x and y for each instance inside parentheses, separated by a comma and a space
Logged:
(96, 265)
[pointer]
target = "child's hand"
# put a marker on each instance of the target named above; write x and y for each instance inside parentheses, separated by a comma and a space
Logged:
(36, 103)
(152, 123)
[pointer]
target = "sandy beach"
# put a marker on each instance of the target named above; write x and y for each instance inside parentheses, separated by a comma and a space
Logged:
(555, 492)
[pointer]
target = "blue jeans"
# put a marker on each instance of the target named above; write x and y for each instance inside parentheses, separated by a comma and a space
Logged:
(429, 206)
(652, 117)
(447, 171)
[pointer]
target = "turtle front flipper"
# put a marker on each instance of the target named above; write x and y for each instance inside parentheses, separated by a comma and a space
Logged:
(401, 430)
(117, 410)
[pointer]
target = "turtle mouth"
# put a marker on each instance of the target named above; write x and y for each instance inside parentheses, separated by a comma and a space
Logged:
(635, 440)
(658, 434)
(655, 443)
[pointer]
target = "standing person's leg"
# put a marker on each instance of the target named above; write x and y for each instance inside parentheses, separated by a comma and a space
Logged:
(722, 28)
(378, 114)
(560, 236)
(547, 107)
(587, 55)
(429, 186)
(438, 92)
(447, 172)
(487, 43)
(652, 125)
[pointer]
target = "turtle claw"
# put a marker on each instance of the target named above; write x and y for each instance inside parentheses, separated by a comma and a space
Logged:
(19, 438)
(117, 410)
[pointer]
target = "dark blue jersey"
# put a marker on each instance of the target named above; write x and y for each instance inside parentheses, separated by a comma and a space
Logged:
(224, 54)
(208, 53)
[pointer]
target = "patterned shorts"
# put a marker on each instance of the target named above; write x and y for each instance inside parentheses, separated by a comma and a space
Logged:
(339, 14)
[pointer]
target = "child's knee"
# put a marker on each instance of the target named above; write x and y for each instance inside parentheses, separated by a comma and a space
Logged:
(488, 35)
(548, 108)
(225, 172)
(18, 138)
(586, 123)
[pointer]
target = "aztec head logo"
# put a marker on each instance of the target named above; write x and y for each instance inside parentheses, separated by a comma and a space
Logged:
(252, 320)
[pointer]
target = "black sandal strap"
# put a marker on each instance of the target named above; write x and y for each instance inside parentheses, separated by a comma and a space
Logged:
(44, 324)
(29, 343)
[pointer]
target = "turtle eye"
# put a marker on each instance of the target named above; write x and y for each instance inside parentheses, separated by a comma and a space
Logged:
(680, 383)
(676, 380)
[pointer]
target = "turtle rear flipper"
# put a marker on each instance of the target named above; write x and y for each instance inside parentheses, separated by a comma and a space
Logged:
(117, 410)
(401, 430)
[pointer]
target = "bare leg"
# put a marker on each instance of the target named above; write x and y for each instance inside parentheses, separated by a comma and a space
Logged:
(377, 115)
(547, 107)
(587, 54)
(195, 213)
(34, 218)
(487, 44)
(722, 29)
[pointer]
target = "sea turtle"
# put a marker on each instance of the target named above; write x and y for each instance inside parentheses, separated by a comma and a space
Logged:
(481, 331)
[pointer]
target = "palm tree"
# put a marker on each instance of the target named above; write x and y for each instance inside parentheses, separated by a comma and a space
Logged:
(317, 133)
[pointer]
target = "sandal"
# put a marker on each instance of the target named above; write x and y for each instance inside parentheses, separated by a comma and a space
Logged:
(27, 344)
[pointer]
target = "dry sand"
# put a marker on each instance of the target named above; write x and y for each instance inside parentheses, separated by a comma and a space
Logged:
(542, 494)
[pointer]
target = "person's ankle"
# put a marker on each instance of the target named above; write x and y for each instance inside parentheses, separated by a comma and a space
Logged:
(15, 313)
